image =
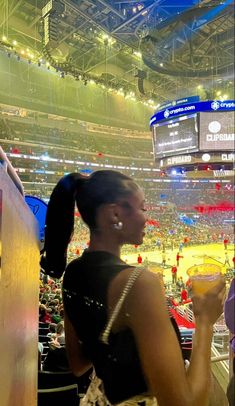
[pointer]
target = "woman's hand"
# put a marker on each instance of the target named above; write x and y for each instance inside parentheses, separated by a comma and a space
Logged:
(54, 344)
(209, 306)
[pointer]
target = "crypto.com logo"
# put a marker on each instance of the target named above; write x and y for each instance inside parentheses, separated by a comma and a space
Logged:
(215, 105)
(166, 113)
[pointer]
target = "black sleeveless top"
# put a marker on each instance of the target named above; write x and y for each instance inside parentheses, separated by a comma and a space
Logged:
(85, 288)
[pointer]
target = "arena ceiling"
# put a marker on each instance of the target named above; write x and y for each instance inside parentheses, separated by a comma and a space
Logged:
(158, 48)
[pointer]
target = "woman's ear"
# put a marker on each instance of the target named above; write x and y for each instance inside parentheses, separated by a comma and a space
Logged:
(114, 213)
(108, 214)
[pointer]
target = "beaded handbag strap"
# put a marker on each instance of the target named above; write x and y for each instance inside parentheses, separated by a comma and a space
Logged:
(132, 278)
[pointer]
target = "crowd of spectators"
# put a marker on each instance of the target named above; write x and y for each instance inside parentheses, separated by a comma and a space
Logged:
(51, 326)
(76, 137)
(43, 150)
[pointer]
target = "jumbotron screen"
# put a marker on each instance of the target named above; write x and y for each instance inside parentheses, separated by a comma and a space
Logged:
(177, 136)
(217, 131)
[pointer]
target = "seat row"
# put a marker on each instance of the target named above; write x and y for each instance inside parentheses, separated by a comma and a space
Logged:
(61, 387)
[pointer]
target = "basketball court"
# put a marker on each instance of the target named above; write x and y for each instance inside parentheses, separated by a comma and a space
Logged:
(192, 255)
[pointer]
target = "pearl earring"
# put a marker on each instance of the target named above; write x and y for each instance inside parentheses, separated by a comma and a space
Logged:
(118, 226)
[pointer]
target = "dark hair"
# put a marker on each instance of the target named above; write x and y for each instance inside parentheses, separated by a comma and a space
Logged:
(89, 193)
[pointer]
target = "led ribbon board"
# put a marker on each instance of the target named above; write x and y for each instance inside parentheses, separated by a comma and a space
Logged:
(203, 106)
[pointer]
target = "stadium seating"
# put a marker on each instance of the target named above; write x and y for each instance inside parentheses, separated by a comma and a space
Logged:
(63, 396)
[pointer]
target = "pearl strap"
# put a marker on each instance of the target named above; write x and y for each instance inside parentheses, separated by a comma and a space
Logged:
(132, 278)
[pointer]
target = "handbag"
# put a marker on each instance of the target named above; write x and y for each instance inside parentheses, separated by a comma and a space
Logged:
(95, 394)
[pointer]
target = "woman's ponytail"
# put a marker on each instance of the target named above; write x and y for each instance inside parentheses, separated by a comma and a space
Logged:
(60, 224)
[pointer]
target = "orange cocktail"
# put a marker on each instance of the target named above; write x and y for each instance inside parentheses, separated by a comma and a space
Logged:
(204, 277)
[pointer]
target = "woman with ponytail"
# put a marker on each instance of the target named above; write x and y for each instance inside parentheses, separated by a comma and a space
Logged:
(116, 318)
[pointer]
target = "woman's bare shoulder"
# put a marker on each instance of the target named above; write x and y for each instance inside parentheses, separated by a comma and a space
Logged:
(143, 277)
(146, 286)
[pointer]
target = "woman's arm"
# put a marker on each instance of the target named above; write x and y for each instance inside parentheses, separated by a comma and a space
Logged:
(78, 363)
(159, 349)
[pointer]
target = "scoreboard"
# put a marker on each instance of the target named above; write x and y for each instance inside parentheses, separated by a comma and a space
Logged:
(192, 128)
(217, 131)
(176, 136)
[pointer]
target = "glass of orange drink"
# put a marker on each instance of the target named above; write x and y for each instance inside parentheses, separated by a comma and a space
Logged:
(204, 277)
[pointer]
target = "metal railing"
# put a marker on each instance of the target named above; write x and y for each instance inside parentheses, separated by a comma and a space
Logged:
(185, 312)
(219, 358)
